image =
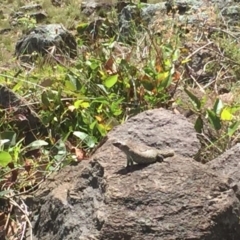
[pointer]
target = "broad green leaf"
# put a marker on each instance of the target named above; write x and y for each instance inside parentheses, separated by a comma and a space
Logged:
(85, 105)
(102, 129)
(77, 103)
(2, 142)
(70, 86)
(82, 27)
(196, 102)
(167, 64)
(92, 125)
(214, 120)
(166, 82)
(93, 64)
(74, 80)
(5, 158)
(218, 106)
(226, 114)
(111, 81)
(162, 76)
(176, 54)
(36, 144)
(9, 135)
(232, 128)
(80, 135)
(81, 103)
(199, 124)
(116, 109)
(90, 141)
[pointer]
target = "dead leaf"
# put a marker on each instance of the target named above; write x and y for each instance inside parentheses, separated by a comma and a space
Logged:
(110, 66)
(21, 117)
(71, 108)
(79, 153)
(28, 165)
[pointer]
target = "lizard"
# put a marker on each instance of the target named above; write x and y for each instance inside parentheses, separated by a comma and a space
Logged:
(142, 154)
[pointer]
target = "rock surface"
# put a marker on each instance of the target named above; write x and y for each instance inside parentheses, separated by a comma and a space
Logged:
(176, 199)
(228, 163)
(44, 39)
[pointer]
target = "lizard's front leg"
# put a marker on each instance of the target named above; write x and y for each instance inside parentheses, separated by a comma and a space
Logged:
(129, 161)
(160, 158)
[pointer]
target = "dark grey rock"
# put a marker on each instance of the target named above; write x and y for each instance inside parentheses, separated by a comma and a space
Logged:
(132, 18)
(228, 163)
(91, 6)
(176, 199)
(42, 38)
(31, 7)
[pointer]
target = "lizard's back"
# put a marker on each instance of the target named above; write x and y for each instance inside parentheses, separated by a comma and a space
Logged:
(143, 154)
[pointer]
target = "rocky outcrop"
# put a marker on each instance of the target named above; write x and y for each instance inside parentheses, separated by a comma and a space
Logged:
(176, 199)
(46, 39)
(228, 164)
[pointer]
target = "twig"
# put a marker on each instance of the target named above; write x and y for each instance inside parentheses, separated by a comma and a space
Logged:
(14, 203)
(24, 230)
(193, 53)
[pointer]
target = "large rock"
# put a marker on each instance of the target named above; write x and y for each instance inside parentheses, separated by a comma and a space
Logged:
(228, 164)
(45, 39)
(175, 199)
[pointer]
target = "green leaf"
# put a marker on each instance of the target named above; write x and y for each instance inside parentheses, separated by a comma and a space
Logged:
(88, 140)
(196, 102)
(167, 64)
(5, 158)
(199, 124)
(91, 141)
(176, 54)
(226, 114)
(232, 128)
(36, 144)
(111, 81)
(2, 142)
(218, 106)
(93, 64)
(81, 103)
(166, 82)
(92, 125)
(45, 99)
(74, 81)
(214, 120)
(80, 135)
(8, 135)
(102, 129)
(82, 27)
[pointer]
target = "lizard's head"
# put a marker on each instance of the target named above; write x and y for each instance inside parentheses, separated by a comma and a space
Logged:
(120, 144)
